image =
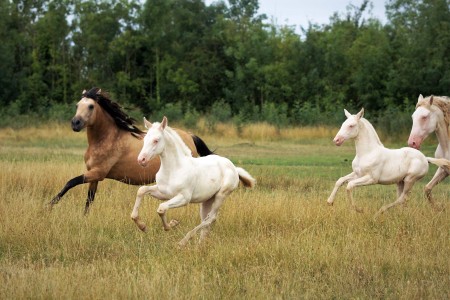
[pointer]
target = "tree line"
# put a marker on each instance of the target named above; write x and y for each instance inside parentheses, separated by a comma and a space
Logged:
(186, 58)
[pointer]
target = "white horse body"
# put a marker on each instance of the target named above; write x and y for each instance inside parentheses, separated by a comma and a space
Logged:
(183, 179)
(200, 174)
(392, 164)
(432, 114)
(375, 164)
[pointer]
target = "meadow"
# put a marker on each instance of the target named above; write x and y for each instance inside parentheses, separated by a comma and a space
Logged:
(279, 240)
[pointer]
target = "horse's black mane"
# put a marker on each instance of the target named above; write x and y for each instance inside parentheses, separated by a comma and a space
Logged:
(121, 119)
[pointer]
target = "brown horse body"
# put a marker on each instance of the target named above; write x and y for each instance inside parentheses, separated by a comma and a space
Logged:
(114, 144)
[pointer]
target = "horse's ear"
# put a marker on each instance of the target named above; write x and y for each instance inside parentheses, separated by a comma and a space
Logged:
(347, 114)
(431, 100)
(420, 98)
(360, 114)
(84, 92)
(99, 91)
(147, 124)
(164, 123)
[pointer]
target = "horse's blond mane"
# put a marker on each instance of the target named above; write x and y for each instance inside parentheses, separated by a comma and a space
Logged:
(370, 128)
(175, 137)
(441, 102)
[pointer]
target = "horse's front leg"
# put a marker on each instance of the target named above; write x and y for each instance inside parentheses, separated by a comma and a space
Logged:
(177, 201)
(91, 195)
(365, 180)
(440, 175)
(142, 191)
(338, 184)
(215, 204)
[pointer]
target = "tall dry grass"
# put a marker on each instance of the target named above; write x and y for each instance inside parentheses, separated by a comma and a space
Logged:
(278, 241)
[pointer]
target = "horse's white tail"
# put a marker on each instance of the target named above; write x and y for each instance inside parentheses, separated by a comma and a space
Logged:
(440, 162)
(246, 178)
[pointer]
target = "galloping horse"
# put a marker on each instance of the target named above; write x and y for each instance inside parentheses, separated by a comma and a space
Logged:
(432, 114)
(375, 164)
(183, 179)
(114, 143)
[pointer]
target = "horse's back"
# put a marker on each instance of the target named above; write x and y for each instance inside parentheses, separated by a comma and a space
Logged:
(405, 162)
(213, 173)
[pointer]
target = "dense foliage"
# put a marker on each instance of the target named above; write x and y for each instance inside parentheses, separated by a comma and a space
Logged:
(186, 58)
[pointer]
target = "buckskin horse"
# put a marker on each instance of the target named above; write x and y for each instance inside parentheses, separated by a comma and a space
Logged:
(114, 143)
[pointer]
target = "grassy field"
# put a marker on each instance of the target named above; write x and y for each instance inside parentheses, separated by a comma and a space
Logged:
(277, 241)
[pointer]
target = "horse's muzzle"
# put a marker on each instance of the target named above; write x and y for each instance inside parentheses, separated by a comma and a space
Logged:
(338, 140)
(414, 143)
(77, 124)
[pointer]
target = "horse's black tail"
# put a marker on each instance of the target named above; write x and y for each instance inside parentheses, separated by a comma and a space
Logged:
(201, 147)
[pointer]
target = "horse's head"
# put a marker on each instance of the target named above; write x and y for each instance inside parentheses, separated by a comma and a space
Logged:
(86, 112)
(153, 141)
(425, 120)
(349, 129)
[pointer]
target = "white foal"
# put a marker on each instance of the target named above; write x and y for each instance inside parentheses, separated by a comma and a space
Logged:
(375, 164)
(183, 179)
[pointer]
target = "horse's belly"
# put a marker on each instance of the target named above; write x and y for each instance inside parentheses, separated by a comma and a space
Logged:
(134, 173)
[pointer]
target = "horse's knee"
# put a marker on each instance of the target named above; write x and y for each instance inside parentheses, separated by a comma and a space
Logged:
(142, 191)
(162, 208)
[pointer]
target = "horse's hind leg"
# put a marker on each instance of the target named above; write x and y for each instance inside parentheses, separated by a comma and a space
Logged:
(70, 184)
(440, 175)
(205, 209)
(91, 195)
(217, 202)
(407, 186)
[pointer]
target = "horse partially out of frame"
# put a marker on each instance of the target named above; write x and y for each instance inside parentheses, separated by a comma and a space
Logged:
(432, 114)
(114, 142)
(376, 164)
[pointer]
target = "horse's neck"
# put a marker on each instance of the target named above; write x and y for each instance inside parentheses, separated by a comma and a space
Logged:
(367, 139)
(174, 155)
(443, 128)
(443, 136)
(103, 130)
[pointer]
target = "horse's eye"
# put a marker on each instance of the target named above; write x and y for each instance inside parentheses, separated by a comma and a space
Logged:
(91, 106)
(155, 141)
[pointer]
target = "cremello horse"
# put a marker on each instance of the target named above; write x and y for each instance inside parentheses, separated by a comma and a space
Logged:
(183, 179)
(375, 164)
(433, 114)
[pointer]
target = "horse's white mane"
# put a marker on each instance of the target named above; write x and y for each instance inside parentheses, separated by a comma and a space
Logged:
(175, 137)
(371, 130)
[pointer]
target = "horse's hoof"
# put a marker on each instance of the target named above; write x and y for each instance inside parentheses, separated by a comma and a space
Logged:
(54, 200)
(330, 203)
(438, 207)
(173, 223)
(182, 244)
(143, 227)
(49, 206)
